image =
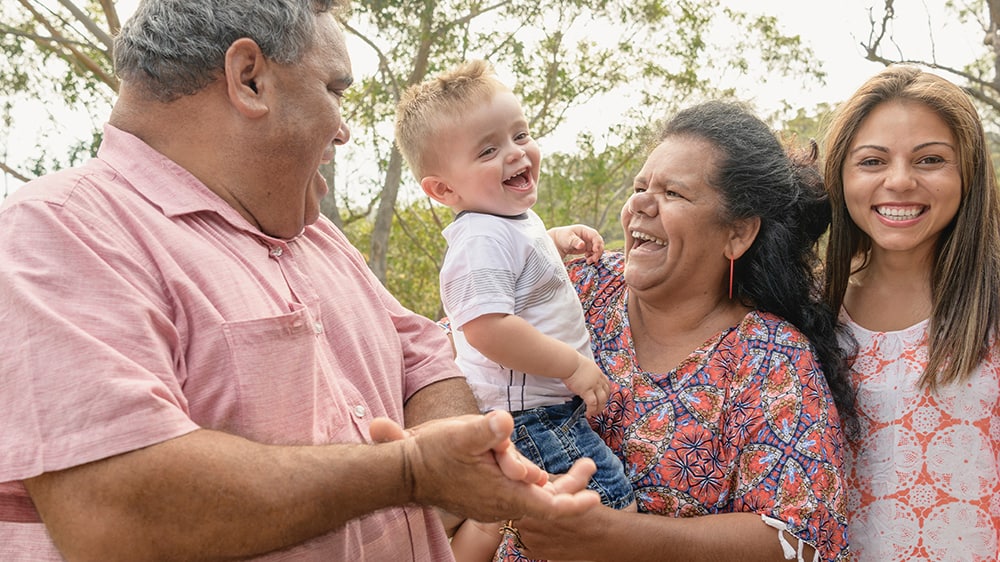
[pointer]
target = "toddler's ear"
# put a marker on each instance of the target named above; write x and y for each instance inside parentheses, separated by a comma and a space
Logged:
(437, 189)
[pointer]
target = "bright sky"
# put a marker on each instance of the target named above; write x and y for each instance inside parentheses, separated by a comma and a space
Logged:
(834, 30)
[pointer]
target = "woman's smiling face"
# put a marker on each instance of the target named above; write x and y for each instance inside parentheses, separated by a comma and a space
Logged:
(675, 239)
(902, 183)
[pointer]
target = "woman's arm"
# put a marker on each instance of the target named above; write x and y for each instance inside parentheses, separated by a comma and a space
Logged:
(605, 535)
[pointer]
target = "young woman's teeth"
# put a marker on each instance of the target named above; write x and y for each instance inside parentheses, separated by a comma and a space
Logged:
(900, 213)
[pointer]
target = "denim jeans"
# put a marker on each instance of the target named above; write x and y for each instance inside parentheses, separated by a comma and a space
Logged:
(553, 437)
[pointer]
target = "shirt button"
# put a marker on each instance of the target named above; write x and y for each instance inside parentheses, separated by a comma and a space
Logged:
(276, 252)
(360, 411)
(318, 327)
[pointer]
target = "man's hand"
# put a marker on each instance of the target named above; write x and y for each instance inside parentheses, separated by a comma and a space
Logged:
(578, 239)
(467, 465)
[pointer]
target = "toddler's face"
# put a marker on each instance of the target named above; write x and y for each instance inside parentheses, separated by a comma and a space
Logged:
(489, 159)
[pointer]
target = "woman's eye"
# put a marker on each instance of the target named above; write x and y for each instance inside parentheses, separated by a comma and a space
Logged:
(870, 162)
(932, 160)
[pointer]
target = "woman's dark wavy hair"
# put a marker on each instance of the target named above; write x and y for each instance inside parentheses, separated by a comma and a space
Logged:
(757, 177)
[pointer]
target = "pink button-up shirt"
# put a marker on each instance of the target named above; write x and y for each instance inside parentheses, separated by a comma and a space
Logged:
(137, 306)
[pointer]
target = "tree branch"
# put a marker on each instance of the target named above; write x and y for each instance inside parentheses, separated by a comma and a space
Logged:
(469, 17)
(383, 60)
(111, 15)
(40, 40)
(984, 91)
(14, 173)
(874, 42)
(81, 58)
(83, 18)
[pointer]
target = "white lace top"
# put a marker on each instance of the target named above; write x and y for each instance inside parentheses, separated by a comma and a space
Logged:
(923, 477)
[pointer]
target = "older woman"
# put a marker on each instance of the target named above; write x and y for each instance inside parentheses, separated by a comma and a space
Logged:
(722, 358)
(913, 264)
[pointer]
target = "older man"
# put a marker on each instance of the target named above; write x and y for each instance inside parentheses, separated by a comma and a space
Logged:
(195, 364)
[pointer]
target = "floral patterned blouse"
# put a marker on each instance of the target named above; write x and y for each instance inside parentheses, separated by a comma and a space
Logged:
(924, 477)
(745, 424)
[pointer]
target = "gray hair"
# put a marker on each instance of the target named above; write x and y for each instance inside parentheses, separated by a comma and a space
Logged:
(175, 48)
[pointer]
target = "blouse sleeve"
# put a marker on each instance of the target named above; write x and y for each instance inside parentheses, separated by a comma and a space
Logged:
(789, 466)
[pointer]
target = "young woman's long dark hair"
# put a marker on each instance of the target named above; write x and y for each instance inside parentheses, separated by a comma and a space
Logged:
(757, 177)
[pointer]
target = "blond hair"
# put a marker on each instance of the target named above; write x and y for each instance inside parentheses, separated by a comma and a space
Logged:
(425, 108)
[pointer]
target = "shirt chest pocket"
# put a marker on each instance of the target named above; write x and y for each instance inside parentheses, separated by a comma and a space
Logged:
(282, 391)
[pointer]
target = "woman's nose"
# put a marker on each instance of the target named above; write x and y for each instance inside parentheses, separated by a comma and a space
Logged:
(640, 203)
(899, 176)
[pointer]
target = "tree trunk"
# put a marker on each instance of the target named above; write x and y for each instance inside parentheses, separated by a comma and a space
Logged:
(328, 206)
(377, 260)
(993, 39)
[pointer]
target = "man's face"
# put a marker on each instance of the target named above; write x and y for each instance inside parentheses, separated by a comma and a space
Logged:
(302, 126)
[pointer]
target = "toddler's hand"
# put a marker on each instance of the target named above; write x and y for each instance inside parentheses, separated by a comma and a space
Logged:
(589, 383)
(578, 239)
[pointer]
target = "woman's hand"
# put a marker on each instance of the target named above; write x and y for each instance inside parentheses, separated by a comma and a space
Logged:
(568, 537)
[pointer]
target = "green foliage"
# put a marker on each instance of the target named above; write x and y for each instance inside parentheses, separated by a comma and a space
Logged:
(413, 279)
(634, 61)
(808, 124)
(590, 186)
(48, 54)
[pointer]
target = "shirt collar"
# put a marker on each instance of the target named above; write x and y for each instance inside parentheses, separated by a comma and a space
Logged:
(521, 216)
(162, 181)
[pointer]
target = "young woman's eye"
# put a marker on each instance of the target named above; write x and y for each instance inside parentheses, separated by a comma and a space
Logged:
(870, 162)
(932, 160)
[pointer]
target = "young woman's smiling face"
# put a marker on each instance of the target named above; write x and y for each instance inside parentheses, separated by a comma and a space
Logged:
(902, 183)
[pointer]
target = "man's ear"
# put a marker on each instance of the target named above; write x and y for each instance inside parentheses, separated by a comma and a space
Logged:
(742, 234)
(437, 189)
(244, 66)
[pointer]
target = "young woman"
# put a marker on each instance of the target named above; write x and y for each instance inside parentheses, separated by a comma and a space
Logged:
(913, 264)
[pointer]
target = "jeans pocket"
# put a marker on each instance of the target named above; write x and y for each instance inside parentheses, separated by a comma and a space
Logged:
(527, 446)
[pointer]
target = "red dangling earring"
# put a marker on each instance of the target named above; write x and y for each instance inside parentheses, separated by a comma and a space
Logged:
(731, 264)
